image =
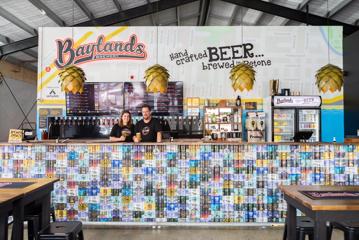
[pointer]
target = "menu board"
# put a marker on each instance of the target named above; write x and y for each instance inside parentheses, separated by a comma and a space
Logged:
(44, 113)
(97, 99)
(162, 104)
(112, 98)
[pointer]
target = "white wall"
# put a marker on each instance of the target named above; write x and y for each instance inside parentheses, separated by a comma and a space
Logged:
(10, 114)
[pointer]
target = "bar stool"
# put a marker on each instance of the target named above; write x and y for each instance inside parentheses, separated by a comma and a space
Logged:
(350, 229)
(33, 221)
(62, 231)
(33, 225)
(305, 226)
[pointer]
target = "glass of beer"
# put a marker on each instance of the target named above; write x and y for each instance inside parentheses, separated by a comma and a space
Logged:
(138, 136)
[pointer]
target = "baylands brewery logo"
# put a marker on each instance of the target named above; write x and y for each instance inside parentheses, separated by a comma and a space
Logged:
(67, 54)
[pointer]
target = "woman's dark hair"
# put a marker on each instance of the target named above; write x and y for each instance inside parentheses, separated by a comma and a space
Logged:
(146, 106)
(129, 122)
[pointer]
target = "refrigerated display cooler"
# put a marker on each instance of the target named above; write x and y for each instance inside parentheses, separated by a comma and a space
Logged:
(291, 114)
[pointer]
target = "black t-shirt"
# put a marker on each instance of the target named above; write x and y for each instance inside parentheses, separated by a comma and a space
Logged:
(148, 130)
(128, 131)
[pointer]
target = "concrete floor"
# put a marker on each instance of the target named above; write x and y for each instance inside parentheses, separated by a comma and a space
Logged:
(175, 233)
(187, 233)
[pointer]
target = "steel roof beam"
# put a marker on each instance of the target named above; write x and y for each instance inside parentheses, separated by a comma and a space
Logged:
(152, 17)
(118, 5)
(178, 16)
(14, 20)
(4, 39)
(85, 10)
(293, 14)
(29, 52)
(241, 11)
(18, 46)
(41, 6)
(195, 15)
(204, 11)
(119, 8)
(111, 19)
(301, 6)
(260, 17)
(339, 7)
(233, 15)
(136, 12)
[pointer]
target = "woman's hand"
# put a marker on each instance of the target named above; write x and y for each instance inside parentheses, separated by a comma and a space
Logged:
(122, 138)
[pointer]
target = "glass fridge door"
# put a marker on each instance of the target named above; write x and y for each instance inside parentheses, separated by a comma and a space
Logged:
(283, 125)
(309, 121)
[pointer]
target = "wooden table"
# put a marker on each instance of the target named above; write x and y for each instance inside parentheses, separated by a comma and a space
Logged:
(321, 211)
(39, 192)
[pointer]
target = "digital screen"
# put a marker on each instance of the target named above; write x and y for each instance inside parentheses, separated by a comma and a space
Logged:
(162, 104)
(97, 99)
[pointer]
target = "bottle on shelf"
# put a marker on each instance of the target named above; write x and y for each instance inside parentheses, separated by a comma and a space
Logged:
(238, 101)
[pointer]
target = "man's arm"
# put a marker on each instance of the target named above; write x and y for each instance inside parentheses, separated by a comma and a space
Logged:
(122, 138)
(159, 131)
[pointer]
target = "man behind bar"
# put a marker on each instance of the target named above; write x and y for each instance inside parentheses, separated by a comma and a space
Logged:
(148, 129)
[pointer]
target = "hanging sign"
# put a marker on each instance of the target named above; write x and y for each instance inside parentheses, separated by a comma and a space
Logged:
(297, 101)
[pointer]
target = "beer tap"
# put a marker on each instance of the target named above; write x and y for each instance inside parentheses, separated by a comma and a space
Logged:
(75, 122)
(57, 121)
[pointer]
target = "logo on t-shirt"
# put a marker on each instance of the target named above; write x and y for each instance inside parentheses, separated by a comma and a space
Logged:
(145, 131)
(125, 132)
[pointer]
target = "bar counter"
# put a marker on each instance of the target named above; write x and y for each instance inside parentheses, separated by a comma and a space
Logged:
(186, 181)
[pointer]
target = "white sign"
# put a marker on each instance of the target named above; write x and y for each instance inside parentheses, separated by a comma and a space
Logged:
(200, 57)
(297, 101)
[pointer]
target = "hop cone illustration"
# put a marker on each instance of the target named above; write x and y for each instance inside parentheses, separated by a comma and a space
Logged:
(156, 79)
(243, 77)
(72, 79)
(329, 77)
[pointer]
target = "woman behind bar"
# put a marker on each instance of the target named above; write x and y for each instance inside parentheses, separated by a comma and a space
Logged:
(124, 130)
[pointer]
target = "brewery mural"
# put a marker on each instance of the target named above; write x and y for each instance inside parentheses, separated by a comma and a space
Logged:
(202, 58)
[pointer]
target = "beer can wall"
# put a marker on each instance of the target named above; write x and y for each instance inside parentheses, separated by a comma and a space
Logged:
(178, 183)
